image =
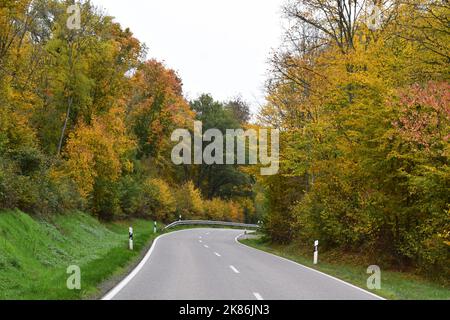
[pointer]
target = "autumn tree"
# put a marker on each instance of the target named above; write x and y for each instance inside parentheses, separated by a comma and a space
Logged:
(358, 159)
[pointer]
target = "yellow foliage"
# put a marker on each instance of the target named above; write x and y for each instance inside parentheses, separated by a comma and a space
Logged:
(190, 202)
(160, 199)
(98, 151)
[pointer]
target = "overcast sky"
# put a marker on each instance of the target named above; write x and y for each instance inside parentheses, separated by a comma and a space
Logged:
(216, 46)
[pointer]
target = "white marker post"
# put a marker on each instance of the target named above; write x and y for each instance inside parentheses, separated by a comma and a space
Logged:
(316, 251)
(154, 227)
(180, 218)
(130, 233)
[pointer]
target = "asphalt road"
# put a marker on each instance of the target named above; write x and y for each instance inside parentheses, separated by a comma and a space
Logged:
(209, 264)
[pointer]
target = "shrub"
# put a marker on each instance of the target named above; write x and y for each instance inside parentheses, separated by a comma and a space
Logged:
(189, 202)
(105, 201)
(131, 196)
(236, 213)
(159, 200)
(216, 209)
(249, 210)
(29, 160)
(221, 210)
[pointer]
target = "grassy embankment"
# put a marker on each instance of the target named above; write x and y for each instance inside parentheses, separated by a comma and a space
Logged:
(394, 285)
(35, 253)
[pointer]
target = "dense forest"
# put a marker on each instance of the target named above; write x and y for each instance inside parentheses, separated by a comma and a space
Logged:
(362, 99)
(362, 103)
(86, 122)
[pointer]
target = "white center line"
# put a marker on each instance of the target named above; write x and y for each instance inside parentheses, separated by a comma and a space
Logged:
(257, 296)
(206, 246)
(217, 254)
(234, 269)
(200, 241)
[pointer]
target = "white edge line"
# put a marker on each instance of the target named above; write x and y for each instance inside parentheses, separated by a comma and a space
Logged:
(234, 269)
(114, 291)
(217, 254)
(206, 246)
(257, 296)
(327, 275)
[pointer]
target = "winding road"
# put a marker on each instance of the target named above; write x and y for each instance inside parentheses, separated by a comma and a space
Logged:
(209, 264)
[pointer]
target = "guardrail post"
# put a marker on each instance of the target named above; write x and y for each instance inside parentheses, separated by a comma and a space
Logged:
(316, 251)
(154, 227)
(130, 235)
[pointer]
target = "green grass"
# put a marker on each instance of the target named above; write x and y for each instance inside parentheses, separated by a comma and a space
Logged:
(394, 285)
(35, 254)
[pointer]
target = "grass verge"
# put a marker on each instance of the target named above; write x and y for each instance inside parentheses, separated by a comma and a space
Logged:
(394, 285)
(35, 254)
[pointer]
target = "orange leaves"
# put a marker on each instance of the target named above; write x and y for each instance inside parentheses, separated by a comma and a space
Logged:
(425, 114)
(157, 107)
(160, 88)
(98, 151)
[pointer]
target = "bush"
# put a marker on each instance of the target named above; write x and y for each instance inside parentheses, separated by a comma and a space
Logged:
(189, 202)
(38, 192)
(221, 210)
(131, 196)
(159, 200)
(216, 209)
(29, 160)
(236, 213)
(8, 188)
(249, 210)
(105, 200)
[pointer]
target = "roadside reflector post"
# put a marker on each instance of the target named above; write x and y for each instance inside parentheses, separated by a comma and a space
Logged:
(154, 227)
(130, 241)
(316, 251)
(180, 217)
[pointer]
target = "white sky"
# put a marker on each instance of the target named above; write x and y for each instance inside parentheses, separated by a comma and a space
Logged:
(219, 47)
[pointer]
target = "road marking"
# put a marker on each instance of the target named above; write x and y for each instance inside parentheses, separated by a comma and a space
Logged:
(305, 267)
(234, 269)
(200, 237)
(200, 241)
(217, 254)
(207, 233)
(257, 296)
(206, 246)
(113, 292)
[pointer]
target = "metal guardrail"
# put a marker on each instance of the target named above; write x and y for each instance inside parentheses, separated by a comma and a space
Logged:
(211, 223)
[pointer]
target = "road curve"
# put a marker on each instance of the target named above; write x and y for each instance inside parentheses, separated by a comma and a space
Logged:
(209, 264)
